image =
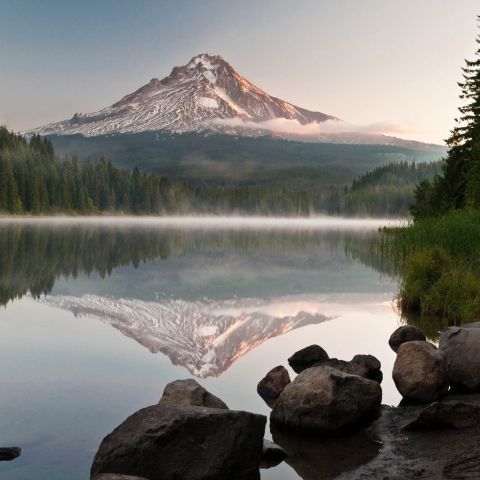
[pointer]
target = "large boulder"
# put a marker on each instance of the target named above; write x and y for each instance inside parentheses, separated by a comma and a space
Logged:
(462, 349)
(167, 442)
(9, 453)
(449, 414)
(190, 393)
(420, 372)
(272, 384)
(407, 333)
(327, 400)
(307, 357)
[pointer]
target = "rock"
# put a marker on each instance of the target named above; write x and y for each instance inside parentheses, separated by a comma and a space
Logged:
(407, 333)
(167, 442)
(10, 453)
(366, 366)
(462, 349)
(327, 400)
(420, 372)
(451, 414)
(307, 357)
(116, 476)
(190, 393)
(272, 385)
(272, 454)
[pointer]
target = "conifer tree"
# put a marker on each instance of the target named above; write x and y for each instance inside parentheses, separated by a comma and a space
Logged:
(458, 186)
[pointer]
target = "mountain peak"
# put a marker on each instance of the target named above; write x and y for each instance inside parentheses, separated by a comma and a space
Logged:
(205, 94)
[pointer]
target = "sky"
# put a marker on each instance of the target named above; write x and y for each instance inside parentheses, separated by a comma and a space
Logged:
(366, 61)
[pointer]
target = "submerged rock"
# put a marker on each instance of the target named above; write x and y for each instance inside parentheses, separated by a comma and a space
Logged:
(420, 372)
(327, 400)
(190, 393)
(272, 454)
(450, 414)
(462, 350)
(167, 442)
(407, 333)
(307, 357)
(272, 385)
(9, 453)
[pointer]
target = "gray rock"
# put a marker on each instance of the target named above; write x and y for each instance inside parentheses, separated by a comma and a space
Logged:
(272, 454)
(307, 357)
(10, 453)
(366, 366)
(327, 400)
(462, 349)
(272, 385)
(450, 414)
(407, 333)
(190, 393)
(167, 442)
(420, 372)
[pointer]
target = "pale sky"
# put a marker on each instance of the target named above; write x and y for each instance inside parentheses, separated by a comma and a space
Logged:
(365, 61)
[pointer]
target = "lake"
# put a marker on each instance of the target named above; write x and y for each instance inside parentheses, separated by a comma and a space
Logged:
(98, 314)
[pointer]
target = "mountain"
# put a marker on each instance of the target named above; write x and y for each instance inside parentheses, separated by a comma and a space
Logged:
(204, 337)
(205, 94)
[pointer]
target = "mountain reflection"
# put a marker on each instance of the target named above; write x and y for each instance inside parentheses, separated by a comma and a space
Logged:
(205, 337)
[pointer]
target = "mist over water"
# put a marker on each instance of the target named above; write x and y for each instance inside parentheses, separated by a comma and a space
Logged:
(214, 222)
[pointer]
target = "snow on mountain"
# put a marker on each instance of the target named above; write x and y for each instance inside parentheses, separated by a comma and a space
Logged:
(194, 97)
(206, 337)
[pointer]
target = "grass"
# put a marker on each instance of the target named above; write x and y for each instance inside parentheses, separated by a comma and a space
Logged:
(438, 262)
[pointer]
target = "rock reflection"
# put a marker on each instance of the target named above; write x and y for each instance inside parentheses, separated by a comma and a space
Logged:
(321, 458)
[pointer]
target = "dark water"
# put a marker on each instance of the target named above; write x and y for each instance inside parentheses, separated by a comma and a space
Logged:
(99, 317)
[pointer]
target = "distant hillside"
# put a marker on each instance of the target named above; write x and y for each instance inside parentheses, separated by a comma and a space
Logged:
(241, 161)
(384, 191)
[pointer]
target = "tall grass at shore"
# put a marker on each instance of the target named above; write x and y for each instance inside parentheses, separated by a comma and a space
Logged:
(438, 262)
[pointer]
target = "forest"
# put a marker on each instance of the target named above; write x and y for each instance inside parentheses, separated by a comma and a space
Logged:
(34, 180)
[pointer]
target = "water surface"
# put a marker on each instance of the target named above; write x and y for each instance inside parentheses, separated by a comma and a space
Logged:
(101, 313)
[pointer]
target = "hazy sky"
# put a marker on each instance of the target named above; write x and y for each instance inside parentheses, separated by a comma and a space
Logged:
(365, 61)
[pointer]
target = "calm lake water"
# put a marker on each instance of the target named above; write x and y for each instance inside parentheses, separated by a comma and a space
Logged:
(98, 315)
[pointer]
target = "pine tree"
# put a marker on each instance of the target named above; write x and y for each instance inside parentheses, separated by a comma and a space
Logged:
(460, 172)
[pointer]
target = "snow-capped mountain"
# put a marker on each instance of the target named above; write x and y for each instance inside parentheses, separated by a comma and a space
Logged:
(205, 94)
(205, 337)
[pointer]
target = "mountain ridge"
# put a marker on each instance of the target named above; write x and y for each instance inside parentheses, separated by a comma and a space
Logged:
(195, 97)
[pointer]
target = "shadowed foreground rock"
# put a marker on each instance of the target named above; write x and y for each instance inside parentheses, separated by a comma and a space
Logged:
(420, 372)
(115, 476)
(328, 401)
(272, 384)
(407, 333)
(307, 357)
(190, 393)
(462, 349)
(10, 453)
(166, 442)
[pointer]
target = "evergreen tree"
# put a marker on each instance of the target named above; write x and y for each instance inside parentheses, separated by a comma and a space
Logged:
(459, 179)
